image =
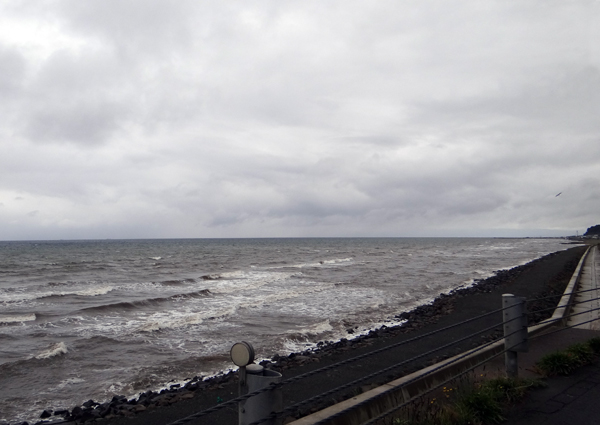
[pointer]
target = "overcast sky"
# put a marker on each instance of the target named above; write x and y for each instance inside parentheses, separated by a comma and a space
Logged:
(145, 119)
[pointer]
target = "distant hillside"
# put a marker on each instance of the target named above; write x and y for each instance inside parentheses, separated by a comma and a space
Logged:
(594, 230)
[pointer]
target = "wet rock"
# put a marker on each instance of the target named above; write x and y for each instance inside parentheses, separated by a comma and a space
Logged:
(76, 412)
(90, 403)
(162, 400)
(138, 408)
(118, 399)
(46, 414)
(191, 386)
(90, 414)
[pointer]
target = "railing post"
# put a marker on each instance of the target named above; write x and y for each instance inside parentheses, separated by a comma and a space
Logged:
(262, 405)
(254, 377)
(515, 332)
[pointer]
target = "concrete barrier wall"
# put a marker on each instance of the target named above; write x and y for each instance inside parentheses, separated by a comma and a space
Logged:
(370, 404)
(566, 302)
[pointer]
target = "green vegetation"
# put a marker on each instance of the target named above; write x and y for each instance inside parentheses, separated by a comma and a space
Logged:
(559, 363)
(473, 403)
(594, 344)
(565, 362)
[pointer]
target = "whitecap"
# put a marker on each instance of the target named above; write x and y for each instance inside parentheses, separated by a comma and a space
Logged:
(318, 328)
(19, 296)
(18, 318)
(174, 320)
(67, 382)
(54, 350)
(336, 261)
(92, 292)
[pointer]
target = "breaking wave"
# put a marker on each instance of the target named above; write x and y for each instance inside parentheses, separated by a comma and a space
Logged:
(131, 305)
(54, 350)
(19, 296)
(167, 321)
(177, 282)
(335, 261)
(17, 318)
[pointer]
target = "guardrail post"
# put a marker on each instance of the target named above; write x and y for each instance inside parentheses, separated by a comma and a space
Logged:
(254, 377)
(262, 405)
(515, 332)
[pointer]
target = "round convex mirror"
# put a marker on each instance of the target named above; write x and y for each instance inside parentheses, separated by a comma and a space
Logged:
(242, 353)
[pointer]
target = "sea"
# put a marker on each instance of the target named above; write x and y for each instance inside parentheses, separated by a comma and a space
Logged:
(89, 319)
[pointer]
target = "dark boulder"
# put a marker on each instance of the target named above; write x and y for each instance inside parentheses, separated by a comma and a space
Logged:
(90, 403)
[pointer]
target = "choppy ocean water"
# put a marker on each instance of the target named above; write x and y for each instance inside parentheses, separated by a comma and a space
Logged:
(91, 319)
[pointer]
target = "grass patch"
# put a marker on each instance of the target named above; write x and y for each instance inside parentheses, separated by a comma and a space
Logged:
(480, 406)
(470, 403)
(566, 361)
(510, 389)
(594, 344)
(559, 363)
(582, 352)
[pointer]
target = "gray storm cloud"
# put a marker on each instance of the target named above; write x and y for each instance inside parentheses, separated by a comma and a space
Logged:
(238, 119)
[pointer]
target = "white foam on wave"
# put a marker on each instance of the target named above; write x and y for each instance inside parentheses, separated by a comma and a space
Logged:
(246, 281)
(179, 319)
(155, 258)
(236, 274)
(18, 296)
(376, 325)
(306, 338)
(482, 274)
(67, 382)
(297, 346)
(54, 350)
(336, 261)
(92, 292)
(86, 292)
(318, 328)
(200, 310)
(285, 295)
(18, 318)
(121, 327)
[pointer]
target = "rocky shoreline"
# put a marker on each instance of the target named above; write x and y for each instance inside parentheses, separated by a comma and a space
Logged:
(425, 316)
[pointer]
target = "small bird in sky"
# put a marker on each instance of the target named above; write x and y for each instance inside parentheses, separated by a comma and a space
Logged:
(558, 194)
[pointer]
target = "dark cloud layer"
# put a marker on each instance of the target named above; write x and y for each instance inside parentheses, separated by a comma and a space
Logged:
(262, 118)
